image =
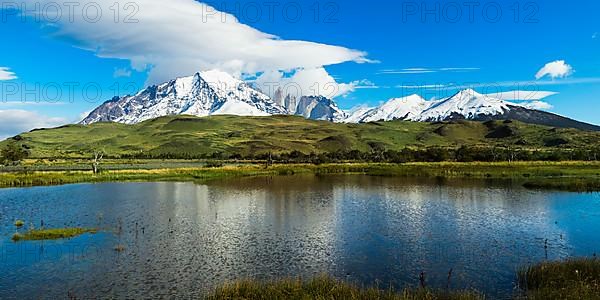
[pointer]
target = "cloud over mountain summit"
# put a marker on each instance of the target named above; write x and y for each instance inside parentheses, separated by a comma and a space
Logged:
(179, 37)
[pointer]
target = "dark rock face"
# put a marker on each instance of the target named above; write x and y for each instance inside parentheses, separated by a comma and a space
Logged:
(530, 116)
(555, 142)
(539, 117)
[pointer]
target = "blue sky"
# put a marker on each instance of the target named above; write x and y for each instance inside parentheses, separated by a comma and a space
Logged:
(500, 47)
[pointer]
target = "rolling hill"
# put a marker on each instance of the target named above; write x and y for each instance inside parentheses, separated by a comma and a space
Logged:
(176, 135)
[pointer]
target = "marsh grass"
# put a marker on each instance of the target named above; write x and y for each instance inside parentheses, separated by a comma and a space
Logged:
(572, 279)
(591, 184)
(525, 172)
(51, 234)
(326, 288)
(571, 176)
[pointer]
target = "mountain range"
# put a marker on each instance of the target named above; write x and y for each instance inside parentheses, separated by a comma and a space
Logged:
(464, 105)
(207, 94)
(218, 93)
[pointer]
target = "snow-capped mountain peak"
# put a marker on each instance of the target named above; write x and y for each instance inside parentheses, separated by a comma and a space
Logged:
(224, 83)
(466, 104)
(183, 86)
(217, 76)
(357, 114)
(209, 93)
(319, 108)
(202, 94)
(405, 108)
(467, 93)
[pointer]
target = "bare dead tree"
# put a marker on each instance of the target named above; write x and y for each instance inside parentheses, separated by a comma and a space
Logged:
(511, 154)
(96, 161)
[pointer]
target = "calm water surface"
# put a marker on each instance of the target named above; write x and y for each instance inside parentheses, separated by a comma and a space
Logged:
(182, 239)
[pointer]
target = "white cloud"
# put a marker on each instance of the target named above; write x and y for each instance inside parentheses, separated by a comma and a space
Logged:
(82, 116)
(391, 72)
(365, 84)
(459, 69)
(407, 71)
(555, 69)
(489, 87)
(6, 74)
(595, 35)
(426, 70)
(180, 37)
(521, 95)
(15, 121)
(539, 105)
(528, 99)
(308, 82)
(424, 86)
(122, 72)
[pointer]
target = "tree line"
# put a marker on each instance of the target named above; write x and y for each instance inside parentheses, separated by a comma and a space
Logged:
(427, 154)
(13, 153)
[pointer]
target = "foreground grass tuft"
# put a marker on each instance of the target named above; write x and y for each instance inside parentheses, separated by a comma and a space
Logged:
(326, 288)
(572, 279)
(51, 234)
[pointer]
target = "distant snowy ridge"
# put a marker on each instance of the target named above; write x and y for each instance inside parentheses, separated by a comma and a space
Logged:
(467, 104)
(464, 105)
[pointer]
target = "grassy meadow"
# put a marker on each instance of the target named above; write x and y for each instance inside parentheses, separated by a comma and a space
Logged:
(186, 148)
(183, 136)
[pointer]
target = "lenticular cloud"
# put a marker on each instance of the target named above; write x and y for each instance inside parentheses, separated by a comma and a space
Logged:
(179, 37)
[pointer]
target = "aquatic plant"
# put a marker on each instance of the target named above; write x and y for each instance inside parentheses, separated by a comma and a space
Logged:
(17, 237)
(51, 234)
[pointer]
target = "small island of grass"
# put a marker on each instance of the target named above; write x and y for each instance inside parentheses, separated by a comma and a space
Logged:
(51, 234)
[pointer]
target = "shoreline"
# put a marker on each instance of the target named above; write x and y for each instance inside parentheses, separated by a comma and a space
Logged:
(574, 278)
(564, 176)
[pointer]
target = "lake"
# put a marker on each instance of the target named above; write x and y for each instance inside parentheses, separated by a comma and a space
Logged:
(183, 239)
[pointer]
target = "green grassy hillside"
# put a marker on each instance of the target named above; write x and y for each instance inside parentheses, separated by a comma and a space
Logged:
(250, 136)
